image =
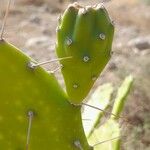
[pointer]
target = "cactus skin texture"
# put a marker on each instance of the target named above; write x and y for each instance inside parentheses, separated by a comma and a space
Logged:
(56, 124)
(86, 34)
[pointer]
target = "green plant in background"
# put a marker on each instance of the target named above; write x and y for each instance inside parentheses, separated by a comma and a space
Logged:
(101, 98)
(110, 129)
(146, 1)
(35, 112)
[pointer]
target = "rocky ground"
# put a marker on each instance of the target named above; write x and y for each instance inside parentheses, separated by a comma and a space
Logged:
(31, 26)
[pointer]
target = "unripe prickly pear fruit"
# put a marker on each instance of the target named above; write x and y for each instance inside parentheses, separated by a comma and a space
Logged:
(86, 35)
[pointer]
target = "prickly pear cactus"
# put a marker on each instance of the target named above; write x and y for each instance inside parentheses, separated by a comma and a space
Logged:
(34, 111)
(85, 34)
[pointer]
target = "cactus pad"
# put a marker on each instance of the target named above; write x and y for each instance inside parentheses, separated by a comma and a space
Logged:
(85, 34)
(55, 123)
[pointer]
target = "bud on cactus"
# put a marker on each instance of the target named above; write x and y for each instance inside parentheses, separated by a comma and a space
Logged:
(85, 34)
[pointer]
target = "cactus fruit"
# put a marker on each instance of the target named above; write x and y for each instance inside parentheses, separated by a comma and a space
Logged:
(32, 99)
(85, 34)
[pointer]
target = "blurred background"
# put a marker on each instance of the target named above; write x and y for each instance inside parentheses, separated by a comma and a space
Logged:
(31, 26)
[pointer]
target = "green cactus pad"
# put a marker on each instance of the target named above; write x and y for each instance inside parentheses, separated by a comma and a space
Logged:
(85, 34)
(55, 124)
(100, 98)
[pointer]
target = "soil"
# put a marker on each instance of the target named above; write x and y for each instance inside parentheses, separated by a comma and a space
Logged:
(31, 27)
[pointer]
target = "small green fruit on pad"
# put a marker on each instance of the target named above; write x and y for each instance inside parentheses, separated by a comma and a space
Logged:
(86, 35)
(55, 124)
